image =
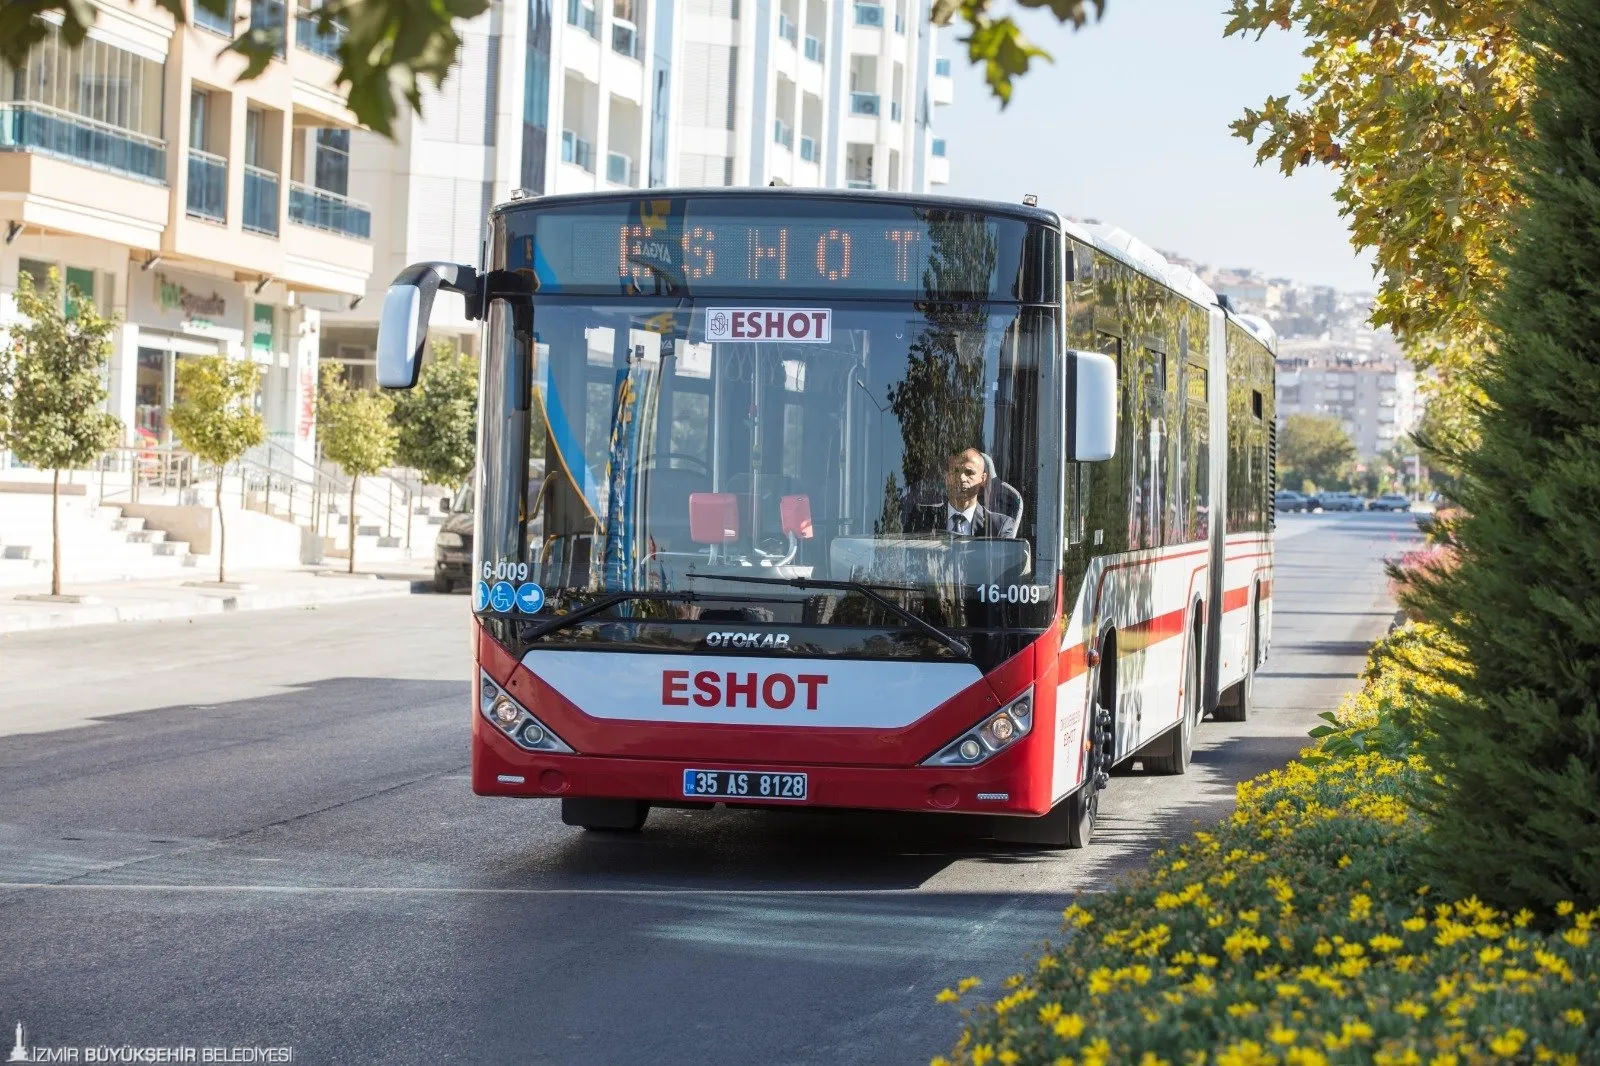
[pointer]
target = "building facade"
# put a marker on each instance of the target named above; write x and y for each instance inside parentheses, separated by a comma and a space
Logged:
(1375, 401)
(212, 216)
(564, 96)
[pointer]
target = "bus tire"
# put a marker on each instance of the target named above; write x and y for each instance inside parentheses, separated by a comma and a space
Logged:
(1069, 824)
(1177, 760)
(605, 815)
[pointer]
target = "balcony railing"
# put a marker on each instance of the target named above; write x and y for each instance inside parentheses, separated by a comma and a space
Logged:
(577, 151)
(36, 128)
(208, 186)
(941, 67)
(860, 183)
(321, 209)
(625, 39)
(212, 21)
(783, 133)
(788, 30)
(813, 49)
(268, 15)
(621, 169)
(583, 16)
(869, 14)
(808, 149)
(308, 36)
(260, 201)
(864, 104)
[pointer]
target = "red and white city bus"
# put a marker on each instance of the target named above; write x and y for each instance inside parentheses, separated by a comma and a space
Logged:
(797, 497)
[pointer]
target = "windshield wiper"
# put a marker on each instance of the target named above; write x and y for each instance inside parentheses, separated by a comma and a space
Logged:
(949, 640)
(591, 609)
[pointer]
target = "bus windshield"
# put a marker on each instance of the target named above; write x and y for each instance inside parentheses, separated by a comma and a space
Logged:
(690, 443)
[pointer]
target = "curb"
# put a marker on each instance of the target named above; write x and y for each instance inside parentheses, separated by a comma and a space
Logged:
(199, 604)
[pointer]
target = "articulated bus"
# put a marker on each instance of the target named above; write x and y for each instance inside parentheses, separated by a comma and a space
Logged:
(860, 501)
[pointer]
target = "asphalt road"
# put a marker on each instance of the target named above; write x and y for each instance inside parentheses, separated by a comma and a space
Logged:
(256, 830)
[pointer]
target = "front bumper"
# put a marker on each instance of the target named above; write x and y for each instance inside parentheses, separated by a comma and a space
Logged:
(500, 768)
(453, 564)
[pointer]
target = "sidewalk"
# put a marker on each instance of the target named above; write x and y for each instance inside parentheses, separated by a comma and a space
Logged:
(169, 598)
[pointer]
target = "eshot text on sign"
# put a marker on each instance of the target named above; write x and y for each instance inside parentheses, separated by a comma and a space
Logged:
(787, 325)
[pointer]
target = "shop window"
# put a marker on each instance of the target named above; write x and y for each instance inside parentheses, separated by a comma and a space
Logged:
(36, 269)
(83, 282)
(263, 328)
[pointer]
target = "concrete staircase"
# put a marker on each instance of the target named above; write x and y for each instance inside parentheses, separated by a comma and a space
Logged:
(323, 518)
(98, 542)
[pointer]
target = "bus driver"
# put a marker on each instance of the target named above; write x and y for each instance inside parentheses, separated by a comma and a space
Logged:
(963, 513)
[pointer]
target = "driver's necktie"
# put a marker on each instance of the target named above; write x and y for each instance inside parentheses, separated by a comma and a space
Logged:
(958, 523)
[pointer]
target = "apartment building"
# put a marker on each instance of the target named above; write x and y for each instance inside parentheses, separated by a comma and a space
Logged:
(212, 215)
(563, 96)
(1375, 400)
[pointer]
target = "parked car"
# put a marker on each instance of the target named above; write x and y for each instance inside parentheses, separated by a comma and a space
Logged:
(1342, 501)
(452, 551)
(1289, 500)
(1392, 502)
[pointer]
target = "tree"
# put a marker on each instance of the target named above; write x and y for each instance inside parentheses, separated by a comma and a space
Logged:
(390, 46)
(1416, 105)
(215, 418)
(357, 432)
(438, 420)
(51, 389)
(1516, 806)
(1313, 448)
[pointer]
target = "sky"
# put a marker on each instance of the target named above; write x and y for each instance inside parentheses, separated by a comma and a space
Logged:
(1129, 126)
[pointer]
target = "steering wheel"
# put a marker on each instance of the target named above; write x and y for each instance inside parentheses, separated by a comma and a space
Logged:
(664, 462)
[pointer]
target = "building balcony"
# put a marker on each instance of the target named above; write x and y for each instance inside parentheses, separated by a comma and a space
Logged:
(207, 19)
(36, 128)
(943, 89)
(324, 210)
(269, 16)
(583, 16)
(869, 14)
(208, 186)
(788, 30)
(621, 169)
(938, 170)
(310, 38)
(865, 104)
(813, 49)
(783, 133)
(260, 201)
(577, 151)
(808, 149)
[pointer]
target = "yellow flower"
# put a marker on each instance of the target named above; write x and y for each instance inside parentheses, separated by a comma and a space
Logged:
(1323, 947)
(1009, 1058)
(1305, 1056)
(1578, 938)
(1360, 906)
(1351, 951)
(1385, 942)
(1282, 1036)
(1049, 1012)
(1207, 961)
(1252, 916)
(1076, 915)
(1069, 1027)
(1573, 1016)
(1202, 984)
(967, 984)
(1048, 962)
(1490, 954)
(1565, 907)
(1446, 1059)
(1508, 1043)
(1414, 925)
(1285, 991)
(1097, 1053)
(1524, 916)
(938, 1060)
(1344, 861)
(1245, 1053)
(982, 1054)
(1241, 1010)
(948, 995)
(1152, 1059)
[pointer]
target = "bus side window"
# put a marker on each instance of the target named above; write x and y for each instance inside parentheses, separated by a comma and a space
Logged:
(1197, 444)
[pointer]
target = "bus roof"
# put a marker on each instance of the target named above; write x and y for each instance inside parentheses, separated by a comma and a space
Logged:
(1111, 240)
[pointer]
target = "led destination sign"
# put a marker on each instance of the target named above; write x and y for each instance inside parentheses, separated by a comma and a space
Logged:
(701, 245)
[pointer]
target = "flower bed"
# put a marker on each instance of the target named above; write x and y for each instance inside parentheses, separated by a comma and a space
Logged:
(1300, 931)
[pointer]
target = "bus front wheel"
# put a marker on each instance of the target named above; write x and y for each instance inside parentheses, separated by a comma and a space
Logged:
(1070, 824)
(605, 815)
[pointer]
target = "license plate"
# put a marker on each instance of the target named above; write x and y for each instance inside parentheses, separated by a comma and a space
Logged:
(744, 784)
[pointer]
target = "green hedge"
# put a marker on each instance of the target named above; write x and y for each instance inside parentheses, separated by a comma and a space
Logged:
(1301, 931)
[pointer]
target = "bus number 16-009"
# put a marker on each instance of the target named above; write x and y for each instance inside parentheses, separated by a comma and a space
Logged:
(1011, 593)
(505, 570)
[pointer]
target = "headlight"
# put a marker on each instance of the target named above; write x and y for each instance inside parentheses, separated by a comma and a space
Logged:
(994, 734)
(449, 540)
(514, 720)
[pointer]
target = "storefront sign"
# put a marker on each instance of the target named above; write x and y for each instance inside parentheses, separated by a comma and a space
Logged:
(187, 303)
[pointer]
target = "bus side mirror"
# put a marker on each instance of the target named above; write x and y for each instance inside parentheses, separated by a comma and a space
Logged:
(403, 322)
(1094, 418)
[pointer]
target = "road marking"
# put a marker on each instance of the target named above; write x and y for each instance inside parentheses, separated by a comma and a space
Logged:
(404, 890)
